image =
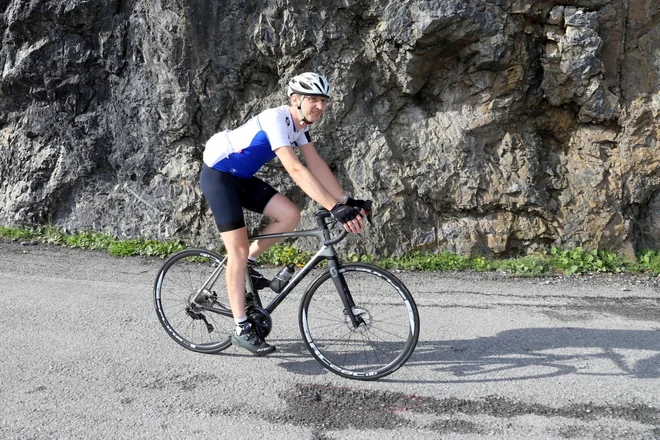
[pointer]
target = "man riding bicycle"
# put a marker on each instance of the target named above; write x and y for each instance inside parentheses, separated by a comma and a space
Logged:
(231, 158)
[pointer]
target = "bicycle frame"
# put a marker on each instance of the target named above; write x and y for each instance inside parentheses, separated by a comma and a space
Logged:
(326, 252)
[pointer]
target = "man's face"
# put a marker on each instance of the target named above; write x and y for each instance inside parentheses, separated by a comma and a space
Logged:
(312, 107)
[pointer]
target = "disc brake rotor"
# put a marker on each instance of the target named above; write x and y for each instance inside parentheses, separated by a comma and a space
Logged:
(360, 314)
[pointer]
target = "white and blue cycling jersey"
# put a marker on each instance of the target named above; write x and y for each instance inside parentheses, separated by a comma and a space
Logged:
(243, 151)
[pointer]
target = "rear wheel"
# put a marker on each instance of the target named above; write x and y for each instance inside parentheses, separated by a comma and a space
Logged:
(387, 330)
(190, 296)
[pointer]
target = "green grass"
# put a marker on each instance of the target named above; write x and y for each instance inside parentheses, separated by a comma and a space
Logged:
(427, 262)
(649, 261)
(533, 265)
(138, 246)
(556, 261)
(93, 241)
(579, 261)
(281, 255)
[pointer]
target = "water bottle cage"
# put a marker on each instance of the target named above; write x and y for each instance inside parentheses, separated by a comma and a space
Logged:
(278, 283)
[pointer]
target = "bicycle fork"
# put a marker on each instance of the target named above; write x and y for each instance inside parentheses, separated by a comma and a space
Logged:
(344, 293)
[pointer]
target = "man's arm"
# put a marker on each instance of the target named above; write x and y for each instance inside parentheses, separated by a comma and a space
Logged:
(321, 171)
(306, 180)
(353, 222)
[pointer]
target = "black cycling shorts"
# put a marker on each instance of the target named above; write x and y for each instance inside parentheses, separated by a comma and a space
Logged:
(227, 195)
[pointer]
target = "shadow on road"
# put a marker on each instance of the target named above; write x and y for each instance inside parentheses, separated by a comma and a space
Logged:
(533, 353)
(521, 354)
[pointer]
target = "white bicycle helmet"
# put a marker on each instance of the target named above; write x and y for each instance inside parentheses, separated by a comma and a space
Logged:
(309, 84)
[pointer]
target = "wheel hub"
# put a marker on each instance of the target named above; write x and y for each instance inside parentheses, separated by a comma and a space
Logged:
(204, 297)
(364, 318)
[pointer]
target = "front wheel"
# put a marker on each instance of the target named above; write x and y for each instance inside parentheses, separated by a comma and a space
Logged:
(388, 322)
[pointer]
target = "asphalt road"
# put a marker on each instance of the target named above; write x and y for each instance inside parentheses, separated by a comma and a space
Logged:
(84, 356)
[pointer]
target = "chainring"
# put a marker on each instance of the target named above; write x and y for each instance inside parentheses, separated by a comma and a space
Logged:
(259, 320)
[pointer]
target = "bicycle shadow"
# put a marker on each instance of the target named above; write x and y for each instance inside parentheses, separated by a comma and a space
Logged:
(515, 355)
(533, 353)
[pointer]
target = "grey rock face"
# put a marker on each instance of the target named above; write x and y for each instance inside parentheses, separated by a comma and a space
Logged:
(573, 71)
(480, 127)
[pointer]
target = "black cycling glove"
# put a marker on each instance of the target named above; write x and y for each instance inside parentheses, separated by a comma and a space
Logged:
(355, 203)
(344, 213)
(361, 204)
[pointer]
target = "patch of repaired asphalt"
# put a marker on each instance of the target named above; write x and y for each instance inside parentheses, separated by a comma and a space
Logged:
(334, 408)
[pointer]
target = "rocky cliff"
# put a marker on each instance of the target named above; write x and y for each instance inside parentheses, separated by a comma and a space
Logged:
(480, 127)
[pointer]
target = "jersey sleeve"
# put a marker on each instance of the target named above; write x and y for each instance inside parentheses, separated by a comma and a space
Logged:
(303, 138)
(276, 129)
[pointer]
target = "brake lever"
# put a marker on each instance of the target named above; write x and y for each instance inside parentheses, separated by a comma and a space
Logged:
(367, 209)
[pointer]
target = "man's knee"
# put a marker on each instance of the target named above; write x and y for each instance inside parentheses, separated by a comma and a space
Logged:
(287, 214)
(240, 254)
(237, 251)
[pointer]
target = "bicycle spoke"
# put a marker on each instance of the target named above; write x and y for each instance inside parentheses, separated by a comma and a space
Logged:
(385, 337)
(180, 280)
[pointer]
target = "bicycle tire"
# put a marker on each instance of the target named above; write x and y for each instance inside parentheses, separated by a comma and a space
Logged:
(178, 282)
(376, 348)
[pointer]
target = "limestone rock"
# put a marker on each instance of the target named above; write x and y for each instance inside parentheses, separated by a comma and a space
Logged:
(481, 127)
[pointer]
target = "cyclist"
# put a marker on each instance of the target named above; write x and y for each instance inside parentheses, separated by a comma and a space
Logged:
(232, 157)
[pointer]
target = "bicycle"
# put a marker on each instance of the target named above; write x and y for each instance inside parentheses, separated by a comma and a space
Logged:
(357, 320)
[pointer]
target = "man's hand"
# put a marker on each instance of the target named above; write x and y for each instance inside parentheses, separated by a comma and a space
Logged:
(349, 216)
(364, 206)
